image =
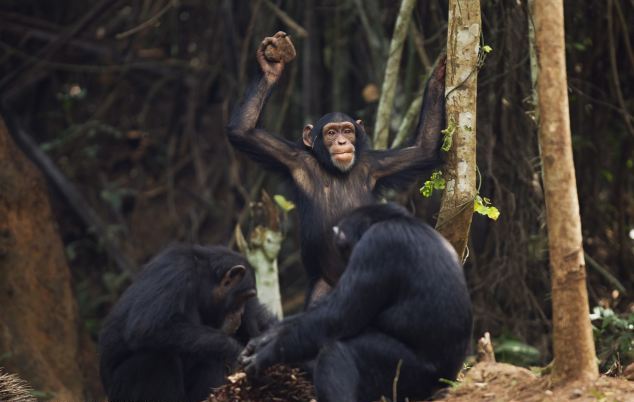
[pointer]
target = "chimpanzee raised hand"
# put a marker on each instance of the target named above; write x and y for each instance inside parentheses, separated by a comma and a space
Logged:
(402, 297)
(332, 169)
(177, 330)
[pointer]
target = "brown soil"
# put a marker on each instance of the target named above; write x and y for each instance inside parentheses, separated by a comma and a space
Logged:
(500, 382)
(279, 383)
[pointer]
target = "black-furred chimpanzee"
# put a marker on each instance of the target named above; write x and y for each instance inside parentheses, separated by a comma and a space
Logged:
(178, 329)
(402, 297)
(332, 169)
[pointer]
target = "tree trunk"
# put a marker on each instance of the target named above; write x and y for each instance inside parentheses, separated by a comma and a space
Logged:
(262, 249)
(384, 113)
(463, 38)
(39, 328)
(573, 346)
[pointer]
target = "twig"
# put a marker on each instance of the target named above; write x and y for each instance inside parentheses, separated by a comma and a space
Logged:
(626, 34)
(605, 273)
(419, 45)
(158, 67)
(246, 44)
(54, 46)
(395, 381)
(376, 43)
(615, 72)
(255, 188)
(151, 21)
(48, 36)
(301, 32)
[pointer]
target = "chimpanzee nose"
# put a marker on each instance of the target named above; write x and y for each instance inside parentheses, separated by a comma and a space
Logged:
(342, 141)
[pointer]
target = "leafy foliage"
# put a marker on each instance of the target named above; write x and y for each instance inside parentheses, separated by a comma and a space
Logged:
(435, 182)
(447, 136)
(483, 206)
(614, 338)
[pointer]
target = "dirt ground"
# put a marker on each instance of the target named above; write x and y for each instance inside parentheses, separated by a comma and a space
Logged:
(500, 382)
(485, 382)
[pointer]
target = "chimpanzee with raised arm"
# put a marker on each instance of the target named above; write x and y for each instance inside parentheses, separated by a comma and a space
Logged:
(332, 169)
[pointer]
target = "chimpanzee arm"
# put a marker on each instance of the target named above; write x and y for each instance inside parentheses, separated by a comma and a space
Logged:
(432, 116)
(187, 337)
(360, 295)
(399, 168)
(274, 152)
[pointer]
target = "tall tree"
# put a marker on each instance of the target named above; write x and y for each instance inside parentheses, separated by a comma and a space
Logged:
(463, 38)
(573, 346)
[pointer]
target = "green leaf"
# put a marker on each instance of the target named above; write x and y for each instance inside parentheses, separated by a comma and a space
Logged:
(286, 205)
(483, 207)
(435, 182)
(447, 139)
(516, 352)
(487, 49)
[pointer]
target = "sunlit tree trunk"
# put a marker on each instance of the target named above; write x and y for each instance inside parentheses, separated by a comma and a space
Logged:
(261, 250)
(463, 38)
(572, 334)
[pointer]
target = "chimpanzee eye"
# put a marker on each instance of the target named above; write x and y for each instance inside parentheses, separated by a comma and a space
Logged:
(331, 132)
(347, 131)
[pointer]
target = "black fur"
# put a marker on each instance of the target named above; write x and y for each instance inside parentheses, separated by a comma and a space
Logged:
(163, 341)
(402, 296)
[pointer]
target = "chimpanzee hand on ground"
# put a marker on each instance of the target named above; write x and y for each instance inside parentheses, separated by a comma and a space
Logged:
(260, 353)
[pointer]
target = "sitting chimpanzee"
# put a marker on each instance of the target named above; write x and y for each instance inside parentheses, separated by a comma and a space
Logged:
(402, 297)
(332, 169)
(178, 329)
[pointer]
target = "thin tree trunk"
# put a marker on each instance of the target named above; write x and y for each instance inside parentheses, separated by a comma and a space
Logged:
(463, 37)
(573, 346)
(262, 249)
(383, 114)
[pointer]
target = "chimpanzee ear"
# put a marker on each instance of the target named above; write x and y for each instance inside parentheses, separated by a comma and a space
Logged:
(233, 276)
(360, 123)
(308, 139)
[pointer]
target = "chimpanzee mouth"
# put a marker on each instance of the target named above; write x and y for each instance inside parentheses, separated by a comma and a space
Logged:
(343, 155)
(343, 164)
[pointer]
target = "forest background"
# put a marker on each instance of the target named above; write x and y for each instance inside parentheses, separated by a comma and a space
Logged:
(130, 98)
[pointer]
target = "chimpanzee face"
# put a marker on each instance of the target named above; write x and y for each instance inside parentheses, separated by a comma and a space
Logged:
(337, 140)
(223, 298)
